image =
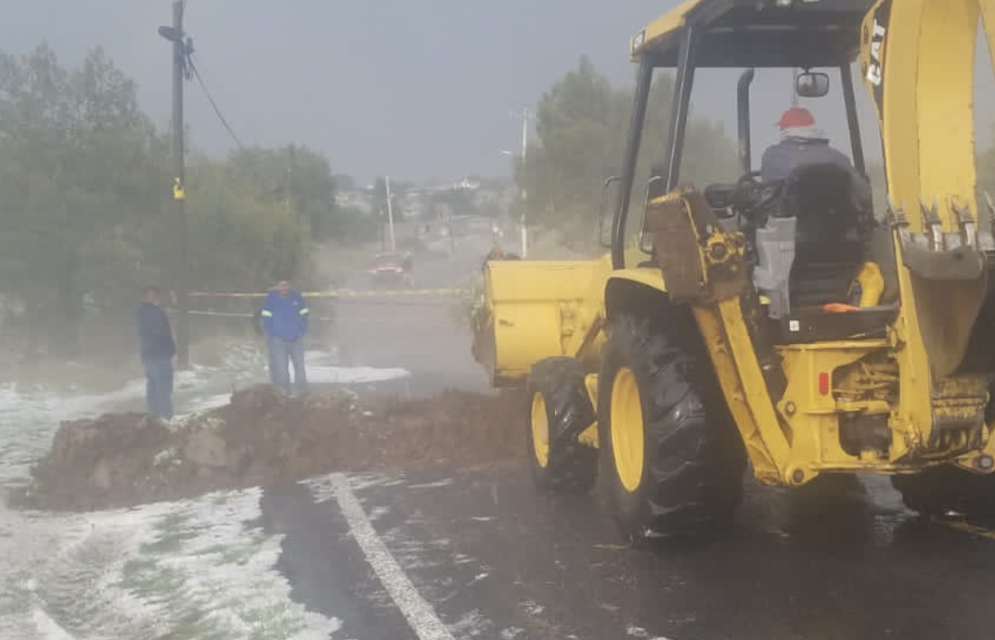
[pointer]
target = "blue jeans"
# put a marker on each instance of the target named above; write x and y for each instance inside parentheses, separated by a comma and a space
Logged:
(281, 354)
(159, 386)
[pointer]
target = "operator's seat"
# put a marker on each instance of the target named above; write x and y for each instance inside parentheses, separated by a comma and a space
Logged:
(811, 242)
(829, 244)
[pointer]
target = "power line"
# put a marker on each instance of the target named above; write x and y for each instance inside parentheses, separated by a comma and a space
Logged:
(210, 98)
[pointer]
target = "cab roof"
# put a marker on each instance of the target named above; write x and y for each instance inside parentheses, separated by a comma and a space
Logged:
(757, 33)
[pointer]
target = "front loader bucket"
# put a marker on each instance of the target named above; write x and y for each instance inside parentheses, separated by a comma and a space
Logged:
(532, 308)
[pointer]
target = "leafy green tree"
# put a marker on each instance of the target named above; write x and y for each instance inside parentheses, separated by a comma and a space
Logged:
(80, 173)
(86, 215)
(458, 202)
(238, 240)
(582, 122)
(344, 182)
(295, 176)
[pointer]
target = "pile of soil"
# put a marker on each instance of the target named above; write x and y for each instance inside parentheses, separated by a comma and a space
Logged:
(263, 438)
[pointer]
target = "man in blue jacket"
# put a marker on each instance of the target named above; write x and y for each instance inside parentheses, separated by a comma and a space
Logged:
(285, 321)
(155, 343)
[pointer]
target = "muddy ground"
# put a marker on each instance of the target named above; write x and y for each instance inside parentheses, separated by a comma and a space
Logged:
(262, 438)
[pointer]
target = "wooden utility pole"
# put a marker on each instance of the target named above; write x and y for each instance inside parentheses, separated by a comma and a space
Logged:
(179, 190)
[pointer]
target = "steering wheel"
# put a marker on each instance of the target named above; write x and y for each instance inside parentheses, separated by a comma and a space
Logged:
(750, 179)
(746, 195)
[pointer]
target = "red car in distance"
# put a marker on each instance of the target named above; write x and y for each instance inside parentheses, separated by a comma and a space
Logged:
(391, 269)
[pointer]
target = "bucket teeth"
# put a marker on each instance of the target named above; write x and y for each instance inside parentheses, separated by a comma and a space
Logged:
(896, 215)
(968, 227)
(932, 225)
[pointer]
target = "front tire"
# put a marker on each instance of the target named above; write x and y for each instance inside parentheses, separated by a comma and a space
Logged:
(672, 461)
(559, 410)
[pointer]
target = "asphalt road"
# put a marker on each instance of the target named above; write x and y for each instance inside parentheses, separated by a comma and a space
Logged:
(476, 553)
(495, 560)
(422, 333)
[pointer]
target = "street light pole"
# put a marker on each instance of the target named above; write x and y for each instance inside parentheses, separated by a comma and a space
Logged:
(452, 235)
(390, 216)
(526, 114)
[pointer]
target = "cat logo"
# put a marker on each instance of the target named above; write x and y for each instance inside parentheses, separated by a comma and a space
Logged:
(874, 70)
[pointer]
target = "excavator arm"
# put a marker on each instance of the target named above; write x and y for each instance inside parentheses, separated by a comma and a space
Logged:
(918, 62)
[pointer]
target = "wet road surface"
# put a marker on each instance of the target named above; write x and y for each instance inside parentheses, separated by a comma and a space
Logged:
(489, 558)
(422, 333)
(496, 560)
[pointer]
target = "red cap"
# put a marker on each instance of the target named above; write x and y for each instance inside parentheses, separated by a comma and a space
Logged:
(796, 117)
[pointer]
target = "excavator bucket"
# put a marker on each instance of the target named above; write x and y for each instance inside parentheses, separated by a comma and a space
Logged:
(926, 50)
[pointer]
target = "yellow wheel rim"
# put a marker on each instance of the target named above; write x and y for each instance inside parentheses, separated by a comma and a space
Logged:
(540, 430)
(627, 429)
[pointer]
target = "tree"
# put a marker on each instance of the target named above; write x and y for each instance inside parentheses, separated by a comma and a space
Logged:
(238, 240)
(344, 182)
(581, 122)
(81, 172)
(85, 204)
(295, 176)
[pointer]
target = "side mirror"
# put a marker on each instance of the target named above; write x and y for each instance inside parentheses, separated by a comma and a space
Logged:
(812, 85)
(605, 217)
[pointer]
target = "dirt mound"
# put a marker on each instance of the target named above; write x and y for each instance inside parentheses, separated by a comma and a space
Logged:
(263, 438)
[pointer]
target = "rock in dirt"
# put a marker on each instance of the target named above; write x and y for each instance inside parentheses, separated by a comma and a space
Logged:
(262, 438)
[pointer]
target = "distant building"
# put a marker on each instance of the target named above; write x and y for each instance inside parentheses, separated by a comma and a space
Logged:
(468, 184)
(354, 200)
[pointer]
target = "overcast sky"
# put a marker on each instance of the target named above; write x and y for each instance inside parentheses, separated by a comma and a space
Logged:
(410, 88)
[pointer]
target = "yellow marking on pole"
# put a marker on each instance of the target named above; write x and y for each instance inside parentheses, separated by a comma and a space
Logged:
(179, 193)
(968, 528)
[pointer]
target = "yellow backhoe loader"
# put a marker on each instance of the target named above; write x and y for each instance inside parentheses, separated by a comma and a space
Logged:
(791, 327)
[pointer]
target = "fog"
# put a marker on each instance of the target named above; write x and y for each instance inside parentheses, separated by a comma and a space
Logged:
(416, 89)
(378, 198)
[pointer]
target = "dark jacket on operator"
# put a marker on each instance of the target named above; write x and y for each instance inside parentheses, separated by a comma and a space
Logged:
(155, 339)
(784, 158)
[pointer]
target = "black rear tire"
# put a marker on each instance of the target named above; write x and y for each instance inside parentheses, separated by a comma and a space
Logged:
(556, 389)
(693, 457)
(939, 490)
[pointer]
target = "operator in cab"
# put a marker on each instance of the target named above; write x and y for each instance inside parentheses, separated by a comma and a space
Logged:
(803, 143)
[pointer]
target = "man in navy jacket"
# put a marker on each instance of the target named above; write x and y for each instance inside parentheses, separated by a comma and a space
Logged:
(155, 343)
(804, 143)
(285, 321)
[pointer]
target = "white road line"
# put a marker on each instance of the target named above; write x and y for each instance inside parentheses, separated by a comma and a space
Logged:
(416, 610)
